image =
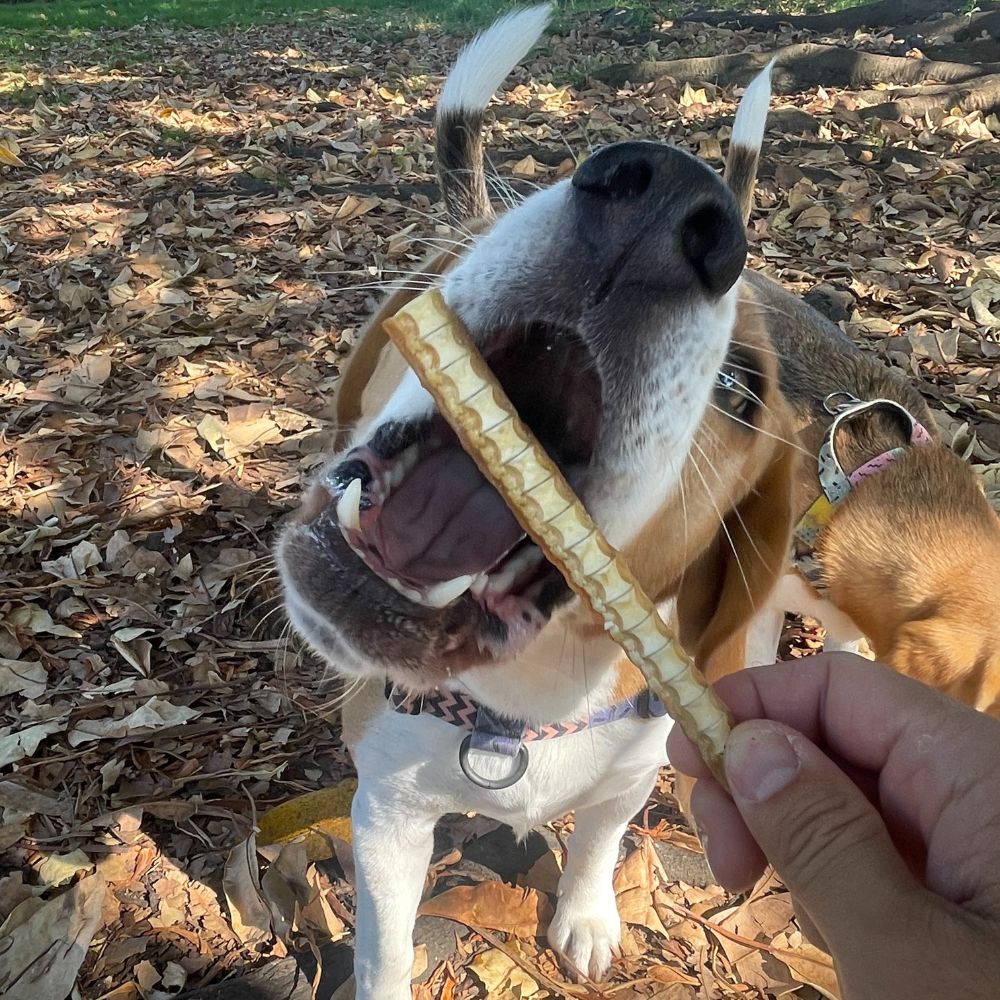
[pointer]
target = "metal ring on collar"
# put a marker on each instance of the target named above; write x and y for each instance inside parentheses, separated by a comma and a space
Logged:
(520, 766)
(833, 408)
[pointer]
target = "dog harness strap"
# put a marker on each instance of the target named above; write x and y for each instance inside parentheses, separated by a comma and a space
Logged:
(836, 483)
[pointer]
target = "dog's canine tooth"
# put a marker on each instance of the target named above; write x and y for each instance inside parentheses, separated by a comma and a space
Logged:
(349, 507)
(479, 584)
(442, 594)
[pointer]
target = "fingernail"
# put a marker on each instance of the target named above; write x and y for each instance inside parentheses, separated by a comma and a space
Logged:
(760, 761)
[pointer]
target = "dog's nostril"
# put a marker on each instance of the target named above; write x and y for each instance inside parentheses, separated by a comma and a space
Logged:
(622, 180)
(715, 246)
(629, 180)
(316, 499)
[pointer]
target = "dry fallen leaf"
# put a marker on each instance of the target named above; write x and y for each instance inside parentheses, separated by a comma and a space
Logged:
(812, 967)
(635, 882)
(41, 956)
(315, 818)
(58, 869)
(23, 677)
(154, 714)
(495, 906)
(248, 910)
(498, 974)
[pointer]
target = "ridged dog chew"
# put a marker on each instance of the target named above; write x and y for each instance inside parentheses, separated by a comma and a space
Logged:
(446, 361)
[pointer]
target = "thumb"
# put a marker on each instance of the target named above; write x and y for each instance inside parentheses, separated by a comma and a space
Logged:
(823, 837)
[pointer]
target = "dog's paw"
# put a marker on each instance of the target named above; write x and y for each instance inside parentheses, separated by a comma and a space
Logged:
(586, 934)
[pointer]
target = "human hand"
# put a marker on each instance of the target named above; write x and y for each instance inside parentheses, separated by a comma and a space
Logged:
(877, 801)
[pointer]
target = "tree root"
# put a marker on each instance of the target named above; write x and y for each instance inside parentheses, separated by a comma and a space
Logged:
(799, 66)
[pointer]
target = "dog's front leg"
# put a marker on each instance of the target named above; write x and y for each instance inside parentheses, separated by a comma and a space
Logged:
(392, 850)
(586, 928)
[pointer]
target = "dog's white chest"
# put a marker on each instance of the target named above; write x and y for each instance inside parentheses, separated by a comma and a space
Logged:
(418, 756)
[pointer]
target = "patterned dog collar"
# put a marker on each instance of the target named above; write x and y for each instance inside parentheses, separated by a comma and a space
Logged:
(490, 732)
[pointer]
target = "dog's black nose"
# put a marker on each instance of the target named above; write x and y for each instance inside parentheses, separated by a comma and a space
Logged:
(659, 208)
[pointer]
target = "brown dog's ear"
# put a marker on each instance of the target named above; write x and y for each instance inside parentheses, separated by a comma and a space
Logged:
(368, 352)
(725, 587)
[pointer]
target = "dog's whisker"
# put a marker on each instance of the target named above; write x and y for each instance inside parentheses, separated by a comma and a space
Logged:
(735, 510)
(722, 524)
(260, 625)
(440, 242)
(267, 557)
(740, 478)
(387, 287)
(679, 479)
(283, 644)
(760, 430)
(417, 278)
(261, 571)
(760, 347)
(509, 184)
(505, 192)
(744, 391)
(765, 307)
(259, 584)
(338, 701)
(442, 220)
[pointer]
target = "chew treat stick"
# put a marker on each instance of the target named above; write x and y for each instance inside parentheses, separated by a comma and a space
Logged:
(446, 361)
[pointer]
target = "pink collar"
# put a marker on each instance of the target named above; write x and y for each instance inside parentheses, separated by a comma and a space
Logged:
(836, 483)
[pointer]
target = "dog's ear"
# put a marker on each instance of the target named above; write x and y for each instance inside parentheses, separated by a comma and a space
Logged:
(733, 577)
(369, 351)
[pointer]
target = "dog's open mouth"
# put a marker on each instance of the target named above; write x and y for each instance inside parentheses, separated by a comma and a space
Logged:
(420, 515)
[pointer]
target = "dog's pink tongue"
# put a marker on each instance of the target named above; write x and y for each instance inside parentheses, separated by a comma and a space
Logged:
(444, 520)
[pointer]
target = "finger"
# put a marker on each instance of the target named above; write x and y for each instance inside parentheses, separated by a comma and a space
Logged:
(820, 832)
(685, 756)
(732, 853)
(859, 710)
(809, 930)
(862, 713)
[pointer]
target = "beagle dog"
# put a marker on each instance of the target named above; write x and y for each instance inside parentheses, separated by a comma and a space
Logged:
(611, 308)
(615, 311)
(896, 541)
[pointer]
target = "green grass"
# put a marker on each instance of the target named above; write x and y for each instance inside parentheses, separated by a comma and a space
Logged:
(25, 27)
(28, 27)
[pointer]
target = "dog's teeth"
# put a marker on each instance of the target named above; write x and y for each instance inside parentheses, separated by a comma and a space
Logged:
(348, 507)
(479, 584)
(516, 566)
(408, 460)
(442, 594)
(401, 466)
(408, 592)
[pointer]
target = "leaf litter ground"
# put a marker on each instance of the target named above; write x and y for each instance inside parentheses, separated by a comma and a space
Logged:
(198, 234)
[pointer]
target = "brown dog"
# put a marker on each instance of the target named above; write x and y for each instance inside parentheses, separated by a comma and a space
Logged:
(910, 556)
